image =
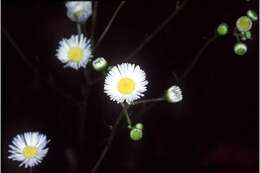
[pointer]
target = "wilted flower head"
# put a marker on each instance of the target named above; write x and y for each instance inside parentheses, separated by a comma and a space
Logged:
(28, 148)
(79, 11)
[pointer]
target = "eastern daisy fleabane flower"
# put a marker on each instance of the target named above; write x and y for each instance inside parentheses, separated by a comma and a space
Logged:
(125, 83)
(74, 52)
(173, 94)
(28, 148)
(79, 11)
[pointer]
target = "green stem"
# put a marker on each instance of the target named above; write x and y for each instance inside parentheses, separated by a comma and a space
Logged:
(148, 101)
(79, 28)
(129, 122)
(31, 170)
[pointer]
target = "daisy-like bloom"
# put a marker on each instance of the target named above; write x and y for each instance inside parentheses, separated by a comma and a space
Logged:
(244, 24)
(240, 49)
(125, 83)
(75, 52)
(99, 64)
(79, 11)
(28, 148)
(173, 94)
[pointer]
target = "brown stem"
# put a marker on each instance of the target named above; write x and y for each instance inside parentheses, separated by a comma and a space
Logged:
(108, 144)
(158, 29)
(35, 69)
(93, 22)
(197, 56)
(109, 24)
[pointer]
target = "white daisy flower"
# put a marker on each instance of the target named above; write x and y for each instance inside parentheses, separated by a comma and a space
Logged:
(75, 52)
(125, 82)
(174, 94)
(28, 148)
(79, 11)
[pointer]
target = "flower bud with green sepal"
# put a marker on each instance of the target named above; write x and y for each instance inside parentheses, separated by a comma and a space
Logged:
(222, 29)
(100, 64)
(244, 24)
(136, 132)
(240, 49)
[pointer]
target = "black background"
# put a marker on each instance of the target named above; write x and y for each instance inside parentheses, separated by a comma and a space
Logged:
(214, 129)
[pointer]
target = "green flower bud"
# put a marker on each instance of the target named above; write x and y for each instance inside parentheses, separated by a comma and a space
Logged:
(248, 35)
(99, 64)
(173, 94)
(136, 134)
(240, 49)
(139, 126)
(244, 24)
(252, 14)
(222, 29)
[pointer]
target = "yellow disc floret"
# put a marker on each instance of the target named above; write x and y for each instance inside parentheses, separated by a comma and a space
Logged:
(75, 54)
(30, 152)
(126, 85)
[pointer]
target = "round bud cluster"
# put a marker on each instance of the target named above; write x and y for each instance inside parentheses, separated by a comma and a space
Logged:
(136, 132)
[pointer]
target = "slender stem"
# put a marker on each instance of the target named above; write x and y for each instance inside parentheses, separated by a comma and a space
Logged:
(79, 28)
(148, 101)
(31, 170)
(35, 69)
(146, 40)
(108, 144)
(93, 22)
(129, 122)
(109, 24)
(197, 56)
(18, 49)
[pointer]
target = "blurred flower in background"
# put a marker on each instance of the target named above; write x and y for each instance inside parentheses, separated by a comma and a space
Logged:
(79, 11)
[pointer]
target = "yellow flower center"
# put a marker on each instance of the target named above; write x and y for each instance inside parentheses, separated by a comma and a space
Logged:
(75, 54)
(126, 85)
(78, 13)
(245, 23)
(30, 152)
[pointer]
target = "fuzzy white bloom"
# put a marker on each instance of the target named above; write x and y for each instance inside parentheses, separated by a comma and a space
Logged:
(28, 148)
(99, 64)
(174, 94)
(75, 52)
(125, 83)
(79, 11)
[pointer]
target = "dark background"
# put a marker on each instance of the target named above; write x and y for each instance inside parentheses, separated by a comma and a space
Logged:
(214, 129)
